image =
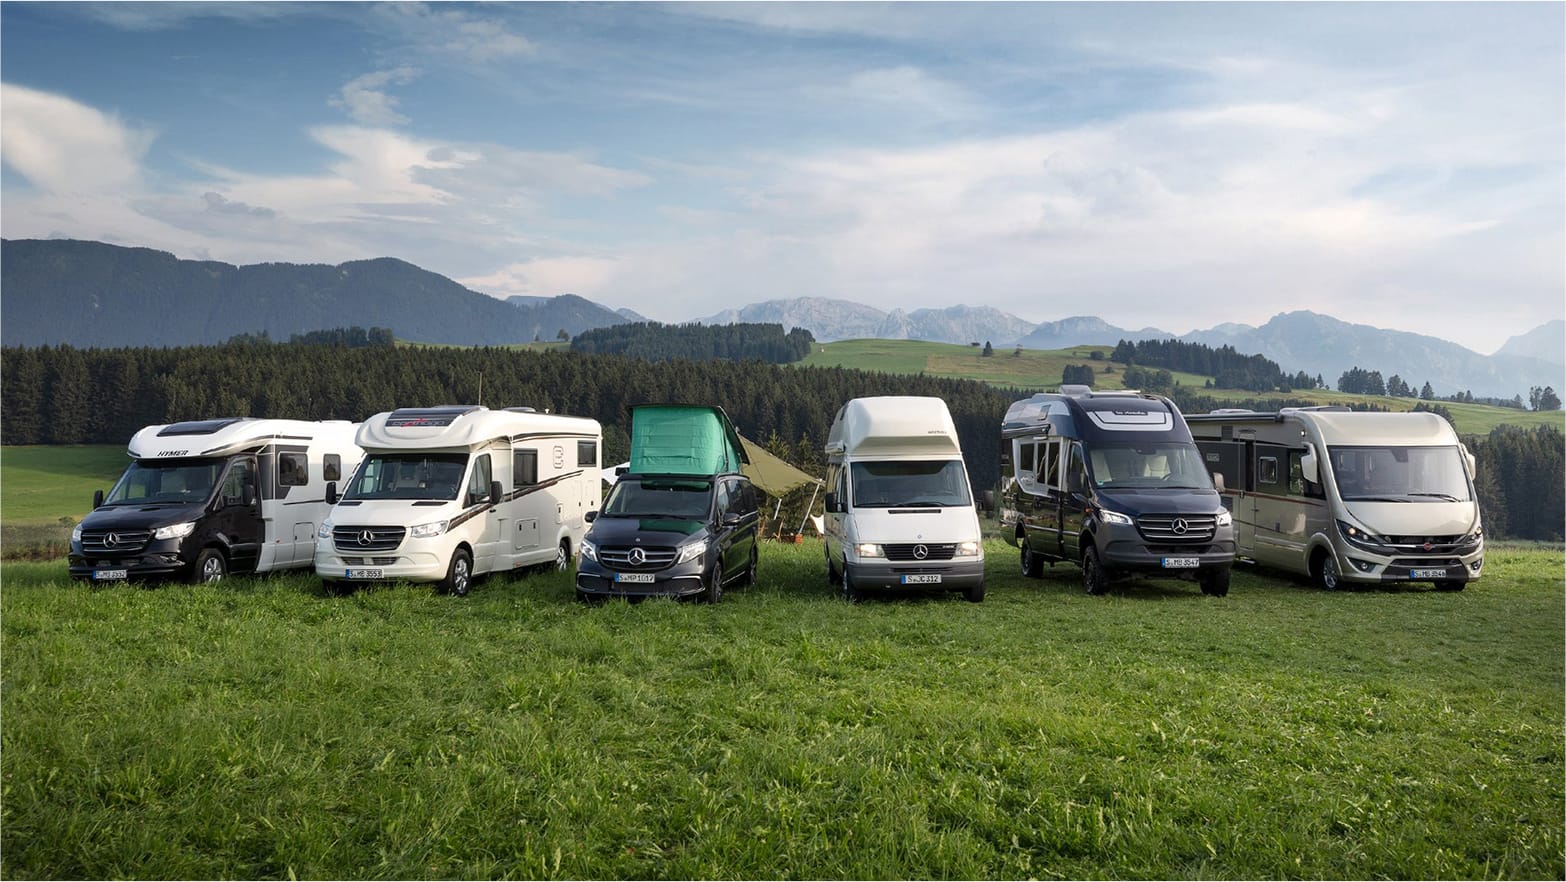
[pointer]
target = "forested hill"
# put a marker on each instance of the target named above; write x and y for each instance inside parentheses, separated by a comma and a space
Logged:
(93, 294)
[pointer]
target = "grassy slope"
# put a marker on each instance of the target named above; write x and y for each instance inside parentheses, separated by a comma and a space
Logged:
(1042, 370)
(260, 729)
(40, 485)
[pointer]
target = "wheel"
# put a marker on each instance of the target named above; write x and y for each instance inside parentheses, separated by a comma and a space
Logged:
(459, 576)
(851, 591)
(714, 592)
(1451, 585)
(1032, 564)
(750, 571)
(1324, 570)
(563, 556)
(974, 594)
(1216, 582)
(1094, 576)
(209, 567)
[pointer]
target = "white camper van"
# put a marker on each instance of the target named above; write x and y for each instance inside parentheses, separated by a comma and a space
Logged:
(1347, 496)
(445, 494)
(205, 498)
(899, 508)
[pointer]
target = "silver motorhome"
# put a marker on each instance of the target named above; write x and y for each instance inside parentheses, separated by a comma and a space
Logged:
(1345, 496)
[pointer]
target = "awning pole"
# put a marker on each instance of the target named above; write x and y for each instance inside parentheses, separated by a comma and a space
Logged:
(813, 491)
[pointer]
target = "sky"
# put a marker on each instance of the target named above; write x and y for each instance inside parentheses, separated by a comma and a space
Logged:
(1172, 165)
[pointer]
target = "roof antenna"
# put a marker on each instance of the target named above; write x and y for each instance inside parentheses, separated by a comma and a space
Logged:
(481, 389)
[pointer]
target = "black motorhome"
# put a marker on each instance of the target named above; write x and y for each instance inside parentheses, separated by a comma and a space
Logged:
(1111, 481)
(204, 498)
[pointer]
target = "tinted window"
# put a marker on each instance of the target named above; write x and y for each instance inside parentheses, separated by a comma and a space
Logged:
(170, 481)
(293, 470)
(587, 453)
(408, 476)
(332, 467)
(524, 468)
(478, 484)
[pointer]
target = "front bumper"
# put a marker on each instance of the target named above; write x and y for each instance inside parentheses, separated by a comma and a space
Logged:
(687, 579)
(1124, 548)
(953, 575)
(1362, 567)
(158, 559)
(388, 566)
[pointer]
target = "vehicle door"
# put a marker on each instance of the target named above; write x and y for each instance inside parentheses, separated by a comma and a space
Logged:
(1045, 517)
(1278, 520)
(1075, 497)
(486, 532)
(1232, 460)
(725, 532)
(236, 515)
(837, 489)
(529, 501)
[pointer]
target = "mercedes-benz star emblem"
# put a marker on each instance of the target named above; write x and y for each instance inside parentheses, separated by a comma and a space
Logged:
(637, 557)
(111, 539)
(1180, 527)
(921, 552)
(366, 537)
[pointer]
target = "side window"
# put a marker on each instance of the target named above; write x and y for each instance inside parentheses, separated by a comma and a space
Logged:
(1267, 472)
(240, 476)
(478, 485)
(587, 453)
(723, 498)
(1025, 458)
(1049, 463)
(293, 470)
(1076, 468)
(332, 467)
(524, 468)
(1298, 486)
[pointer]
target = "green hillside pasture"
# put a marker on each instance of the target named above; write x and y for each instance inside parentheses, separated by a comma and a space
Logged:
(1470, 419)
(40, 485)
(262, 729)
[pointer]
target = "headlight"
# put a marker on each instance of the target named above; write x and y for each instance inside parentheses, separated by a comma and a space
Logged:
(1225, 518)
(425, 531)
(1363, 538)
(1115, 517)
(589, 551)
(868, 549)
(967, 549)
(693, 551)
(76, 533)
(325, 532)
(174, 531)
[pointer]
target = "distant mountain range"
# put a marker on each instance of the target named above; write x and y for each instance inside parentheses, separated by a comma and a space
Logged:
(95, 294)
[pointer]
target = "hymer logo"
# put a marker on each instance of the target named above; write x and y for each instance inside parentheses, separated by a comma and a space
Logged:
(174, 453)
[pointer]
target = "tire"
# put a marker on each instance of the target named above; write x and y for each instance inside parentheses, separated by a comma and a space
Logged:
(1032, 564)
(1216, 582)
(714, 590)
(1324, 571)
(210, 566)
(1451, 585)
(1094, 576)
(459, 576)
(563, 556)
(975, 593)
(851, 592)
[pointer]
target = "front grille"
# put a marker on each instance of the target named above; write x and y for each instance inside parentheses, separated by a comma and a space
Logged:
(1178, 529)
(374, 561)
(652, 558)
(1438, 545)
(363, 540)
(123, 541)
(912, 552)
(1425, 563)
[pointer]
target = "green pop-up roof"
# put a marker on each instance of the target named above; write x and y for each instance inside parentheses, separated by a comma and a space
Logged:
(668, 439)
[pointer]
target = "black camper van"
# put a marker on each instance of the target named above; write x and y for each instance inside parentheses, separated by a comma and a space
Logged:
(1111, 481)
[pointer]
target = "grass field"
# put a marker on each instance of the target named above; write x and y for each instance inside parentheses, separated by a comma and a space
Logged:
(1037, 370)
(262, 729)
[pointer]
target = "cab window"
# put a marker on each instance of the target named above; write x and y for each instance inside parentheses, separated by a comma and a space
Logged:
(478, 485)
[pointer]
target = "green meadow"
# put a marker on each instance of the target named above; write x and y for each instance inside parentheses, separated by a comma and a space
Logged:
(260, 728)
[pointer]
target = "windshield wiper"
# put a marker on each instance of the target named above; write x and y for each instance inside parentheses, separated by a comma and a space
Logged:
(1375, 499)
(1446, 496)
(918, 505)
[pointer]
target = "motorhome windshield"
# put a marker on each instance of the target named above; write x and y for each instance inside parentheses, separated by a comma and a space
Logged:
(1172, 466)
(682, 498)
(408, 476)
(898, 484)
(166, 482)
(1399, 474)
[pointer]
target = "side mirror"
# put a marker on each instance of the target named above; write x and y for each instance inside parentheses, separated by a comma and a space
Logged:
(1218, 481)
(590, 517)
(97, 499)
(829, 502)
(331, 493)
(732, 519)
(989, 500)
(497, 493)
(1310, 469)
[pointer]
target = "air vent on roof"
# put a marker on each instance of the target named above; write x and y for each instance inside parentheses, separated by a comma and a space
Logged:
(199, 427)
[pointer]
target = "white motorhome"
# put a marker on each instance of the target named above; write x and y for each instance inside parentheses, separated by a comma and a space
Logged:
(205, 498)
(1347, 496)
(448, 493)
(899, 507)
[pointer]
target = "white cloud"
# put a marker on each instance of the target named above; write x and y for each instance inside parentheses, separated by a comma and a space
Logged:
(549, 277)
(63, 146)
(367, 101)
(461, 33)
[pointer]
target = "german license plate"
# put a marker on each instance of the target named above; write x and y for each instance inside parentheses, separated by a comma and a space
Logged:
(922, 579)
(365, 573)
(109, 575)
(633, 577)
(1427, 574)
(1182, 563)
